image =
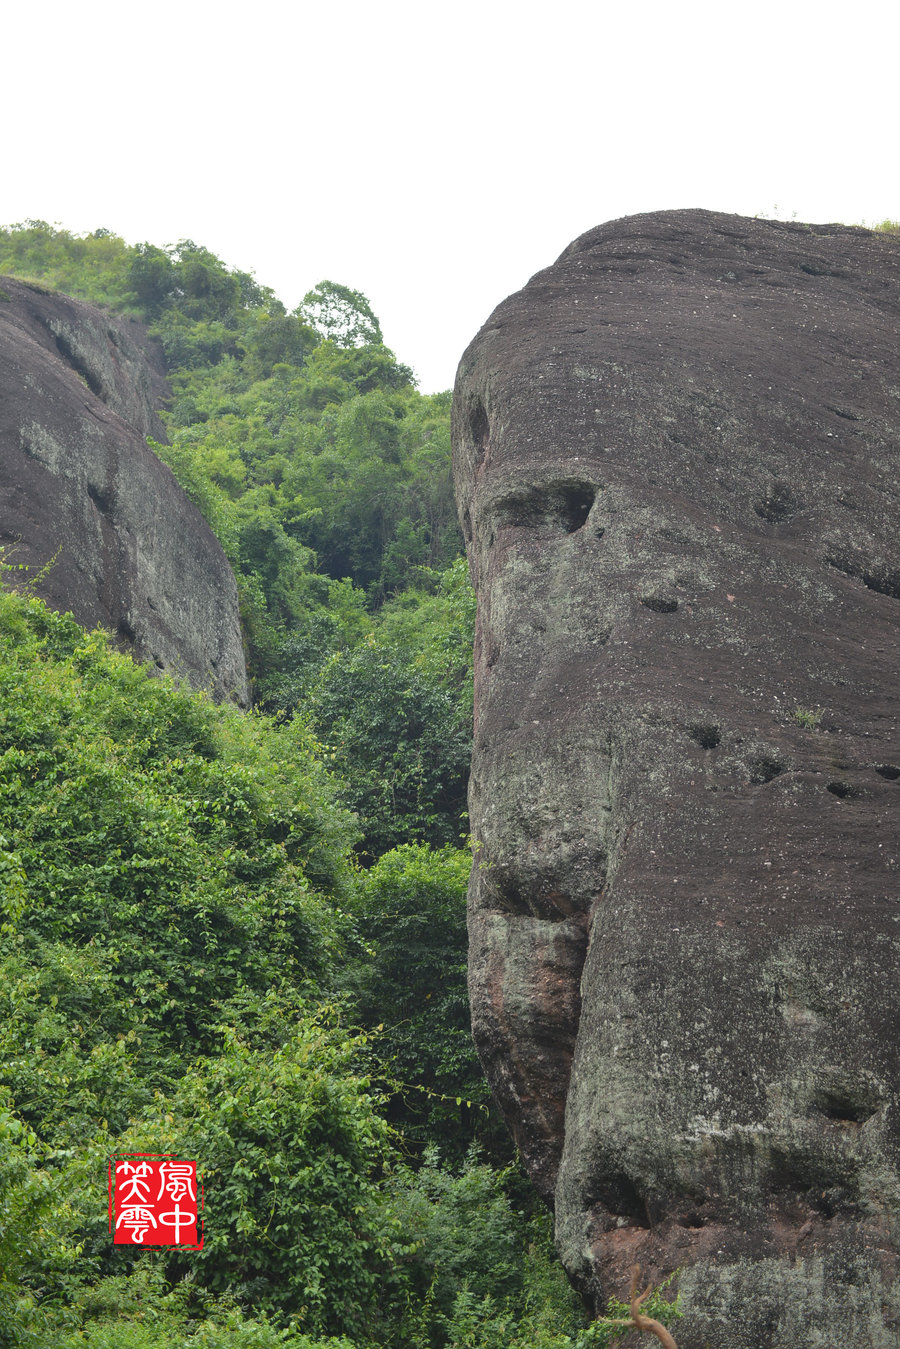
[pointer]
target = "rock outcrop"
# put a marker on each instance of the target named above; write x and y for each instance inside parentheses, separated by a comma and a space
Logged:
(677, 455)
(81, 490)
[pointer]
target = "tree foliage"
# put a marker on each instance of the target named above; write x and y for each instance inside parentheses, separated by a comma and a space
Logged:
(184, 939)
(241, 937)
(405, 970)
(340, 315)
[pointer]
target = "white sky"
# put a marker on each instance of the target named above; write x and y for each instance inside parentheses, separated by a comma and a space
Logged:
(434, 156)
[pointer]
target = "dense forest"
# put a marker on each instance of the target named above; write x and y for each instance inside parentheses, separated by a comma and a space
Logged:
(240, 937)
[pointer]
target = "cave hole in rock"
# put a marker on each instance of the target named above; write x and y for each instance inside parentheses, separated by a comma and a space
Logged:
(888, 770)
(874, 575)
(778, 504)
(621, 1197)
(818, 269)
(707, 737)
(765, 768)
(101, 499)
(845, 1107)
(843, 412)
(75, 362)
(843, 790)
(798, 1173)
(553, 508)
(693, 1219)
(509, 898)
(660, 604)
(836, 1200)
(576, 500)
(124, 629)
(883, 582)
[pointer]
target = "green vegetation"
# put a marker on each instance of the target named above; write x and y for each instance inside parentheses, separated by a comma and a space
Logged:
(618, 1322)
(241, 937)
(191, 961)
(808, 717)
(326, 476)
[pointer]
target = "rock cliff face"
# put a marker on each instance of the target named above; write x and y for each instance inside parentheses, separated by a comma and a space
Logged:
(79, 486)
(677, 455)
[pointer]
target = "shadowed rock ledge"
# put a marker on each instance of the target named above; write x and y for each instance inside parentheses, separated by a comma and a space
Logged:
(79, 392)
(676, 453)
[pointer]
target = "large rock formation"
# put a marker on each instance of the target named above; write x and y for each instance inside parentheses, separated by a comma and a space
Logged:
(677, 455)
(81, 490)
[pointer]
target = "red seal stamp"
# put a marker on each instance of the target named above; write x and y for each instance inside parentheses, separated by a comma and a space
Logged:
(155, 1201)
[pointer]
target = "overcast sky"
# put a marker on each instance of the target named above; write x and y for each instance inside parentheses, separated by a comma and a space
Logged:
(431, 155)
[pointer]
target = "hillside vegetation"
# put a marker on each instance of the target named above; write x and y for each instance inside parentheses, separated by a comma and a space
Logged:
(241, 937)
(326, 476)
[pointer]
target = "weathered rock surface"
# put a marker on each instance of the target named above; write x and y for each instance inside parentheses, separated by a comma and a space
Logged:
(677, 456)
(80, 487)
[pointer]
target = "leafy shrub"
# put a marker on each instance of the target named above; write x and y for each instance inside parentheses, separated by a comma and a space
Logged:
(398, 739)
(35, 1232)
(406, 972)
(137, 818)
(289, 1144)
(480, 1274)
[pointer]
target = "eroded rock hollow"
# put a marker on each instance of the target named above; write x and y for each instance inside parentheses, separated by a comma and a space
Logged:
(80, 490)
(676, 454)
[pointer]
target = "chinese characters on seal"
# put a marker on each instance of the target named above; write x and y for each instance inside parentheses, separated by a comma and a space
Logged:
(155, 1201)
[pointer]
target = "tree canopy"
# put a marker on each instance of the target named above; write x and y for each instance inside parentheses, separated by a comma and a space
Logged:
(240, 937)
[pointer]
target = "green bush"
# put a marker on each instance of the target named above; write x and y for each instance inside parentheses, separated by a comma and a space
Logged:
(396, 735)
(405, 970)
(481, 1274)
(289, 1143)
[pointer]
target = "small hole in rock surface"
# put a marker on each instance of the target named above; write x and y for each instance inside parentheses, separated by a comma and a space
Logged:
(576, 500)
(845, 1108)
(888, 770)
(707, 737)
(765, 769)
(660, 604)
(841, 789)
